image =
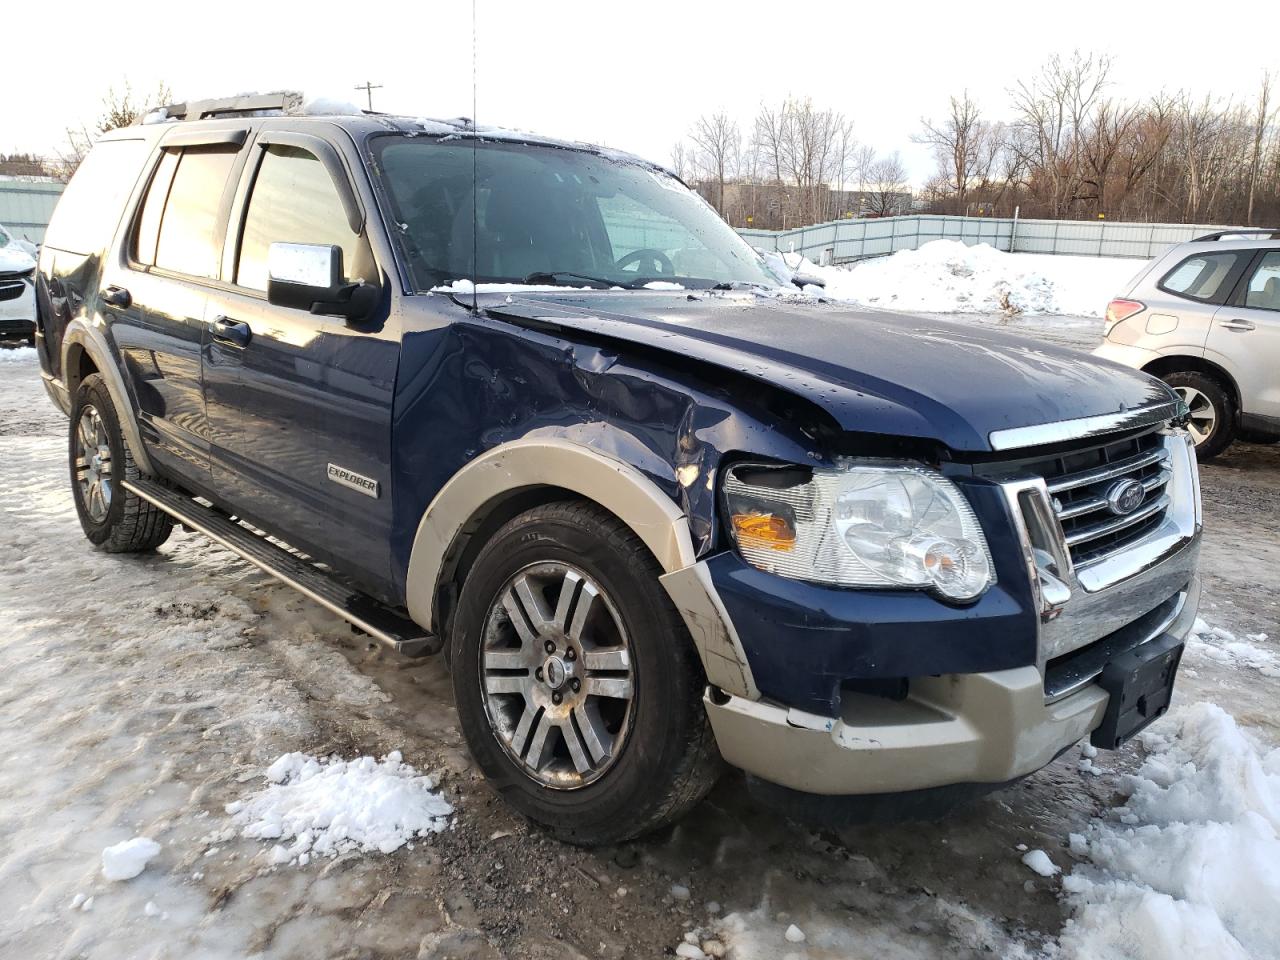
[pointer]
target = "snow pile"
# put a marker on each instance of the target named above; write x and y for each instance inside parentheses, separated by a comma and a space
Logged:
(1201, 875)
(947, 276)
(126, 860)
(331, 806)
(1039, 861)
(1215, 643)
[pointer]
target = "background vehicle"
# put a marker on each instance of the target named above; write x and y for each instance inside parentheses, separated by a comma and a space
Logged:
(1205, 318)
(656, 514)
(17, 289)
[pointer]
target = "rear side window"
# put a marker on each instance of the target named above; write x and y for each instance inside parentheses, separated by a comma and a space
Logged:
(1263, 292)
(89, 209)
(294, 201)
(187, 241)
(1202, 277)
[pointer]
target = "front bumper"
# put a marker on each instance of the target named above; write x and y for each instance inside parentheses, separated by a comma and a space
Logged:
(957, 723)
(963, 728)
(17, 308)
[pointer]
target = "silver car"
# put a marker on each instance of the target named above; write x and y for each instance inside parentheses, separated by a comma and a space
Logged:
(1205, 318)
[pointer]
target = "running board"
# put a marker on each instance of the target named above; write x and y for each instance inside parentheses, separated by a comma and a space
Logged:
(363, 612)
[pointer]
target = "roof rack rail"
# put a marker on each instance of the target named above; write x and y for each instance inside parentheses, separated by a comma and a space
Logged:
(1272, 233)
(286, 101)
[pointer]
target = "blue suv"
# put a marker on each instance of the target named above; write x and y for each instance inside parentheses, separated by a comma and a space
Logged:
(532, 404)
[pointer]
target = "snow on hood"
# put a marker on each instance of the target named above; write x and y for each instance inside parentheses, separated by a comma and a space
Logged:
(14, 259)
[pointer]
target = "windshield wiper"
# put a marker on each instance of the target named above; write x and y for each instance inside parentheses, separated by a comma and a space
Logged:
(565, 278)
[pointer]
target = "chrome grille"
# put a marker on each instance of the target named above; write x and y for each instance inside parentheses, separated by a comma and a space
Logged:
(1079, 484)
(12, 289)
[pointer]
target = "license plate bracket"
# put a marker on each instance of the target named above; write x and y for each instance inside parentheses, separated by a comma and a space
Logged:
(1140, 683)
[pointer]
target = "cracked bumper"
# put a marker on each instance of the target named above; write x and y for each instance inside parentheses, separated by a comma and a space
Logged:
(963, 728)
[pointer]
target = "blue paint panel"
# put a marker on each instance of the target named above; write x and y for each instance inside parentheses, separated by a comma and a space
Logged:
(802, 640)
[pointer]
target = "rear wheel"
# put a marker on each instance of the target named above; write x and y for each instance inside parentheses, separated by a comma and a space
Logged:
(578, 689)
(1212, 411)
(113, 518)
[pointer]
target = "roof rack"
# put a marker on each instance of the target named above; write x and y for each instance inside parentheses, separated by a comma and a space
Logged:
(286, 101)
(1272, 233)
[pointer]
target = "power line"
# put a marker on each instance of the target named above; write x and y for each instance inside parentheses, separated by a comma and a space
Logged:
(368, 88)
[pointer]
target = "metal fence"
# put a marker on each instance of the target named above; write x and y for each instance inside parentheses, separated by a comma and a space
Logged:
(846, 240)
(27, 204)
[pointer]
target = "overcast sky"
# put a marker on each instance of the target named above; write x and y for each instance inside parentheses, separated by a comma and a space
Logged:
(633, 75)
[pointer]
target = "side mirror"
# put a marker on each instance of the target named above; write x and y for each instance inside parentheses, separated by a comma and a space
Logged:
(309, 276)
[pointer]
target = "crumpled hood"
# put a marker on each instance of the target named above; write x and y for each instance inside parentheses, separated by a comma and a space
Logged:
(872, 371)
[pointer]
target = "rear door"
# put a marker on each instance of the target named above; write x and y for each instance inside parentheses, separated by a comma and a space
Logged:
(173, 255)
(300, 402)
(1245, 337)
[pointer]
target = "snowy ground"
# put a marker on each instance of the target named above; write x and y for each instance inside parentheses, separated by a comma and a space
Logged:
(165, 698)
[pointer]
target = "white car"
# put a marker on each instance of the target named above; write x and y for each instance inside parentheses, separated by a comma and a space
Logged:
(1205, 318)
(17, 289)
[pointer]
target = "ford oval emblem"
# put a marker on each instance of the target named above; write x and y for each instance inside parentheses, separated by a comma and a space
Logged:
(1125, 496)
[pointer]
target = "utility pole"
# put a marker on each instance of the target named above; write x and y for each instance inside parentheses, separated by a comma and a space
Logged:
(368, 88)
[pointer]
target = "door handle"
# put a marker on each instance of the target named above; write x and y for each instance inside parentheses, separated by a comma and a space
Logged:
(235, 333)
(117, 297)
(1242, 326)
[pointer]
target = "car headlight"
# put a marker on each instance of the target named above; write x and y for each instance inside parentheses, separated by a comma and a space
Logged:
(864, 523)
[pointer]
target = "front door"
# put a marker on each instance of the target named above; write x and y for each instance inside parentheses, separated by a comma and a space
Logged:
(300, 405)
(1245, 338)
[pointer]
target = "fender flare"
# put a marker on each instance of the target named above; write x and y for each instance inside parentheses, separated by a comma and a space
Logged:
(84, 337)
(619, 488)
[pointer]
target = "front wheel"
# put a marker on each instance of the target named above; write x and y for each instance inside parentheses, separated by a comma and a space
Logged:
(113, 518)
(578, 688)
(1213, 412)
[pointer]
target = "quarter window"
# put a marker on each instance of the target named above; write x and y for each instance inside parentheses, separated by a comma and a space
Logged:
(188, 241)
(1202, 277)
(294, 201)
(89, 209)
(1263, 292)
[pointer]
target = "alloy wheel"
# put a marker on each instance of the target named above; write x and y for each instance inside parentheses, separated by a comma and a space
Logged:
(1203, 416)
(556, 674)
(93, 463)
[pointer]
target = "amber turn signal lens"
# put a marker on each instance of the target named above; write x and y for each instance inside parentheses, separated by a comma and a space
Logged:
(764, 530)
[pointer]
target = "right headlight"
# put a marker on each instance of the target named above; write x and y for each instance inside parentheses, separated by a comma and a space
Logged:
(865, 523)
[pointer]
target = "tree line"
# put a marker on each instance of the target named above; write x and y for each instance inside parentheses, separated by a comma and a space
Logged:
(1065, 148)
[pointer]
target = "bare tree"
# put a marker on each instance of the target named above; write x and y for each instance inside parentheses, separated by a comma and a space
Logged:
(1263, 116)
(966, 148)
(118, 110)
(719, 144)
(680, 161)
(886, 185)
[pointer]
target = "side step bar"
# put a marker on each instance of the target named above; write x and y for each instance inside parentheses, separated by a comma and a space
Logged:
(366, 614)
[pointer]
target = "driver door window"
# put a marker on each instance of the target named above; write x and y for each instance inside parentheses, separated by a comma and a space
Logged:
(294, 201)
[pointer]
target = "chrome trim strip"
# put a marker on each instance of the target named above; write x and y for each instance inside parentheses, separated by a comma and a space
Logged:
(1116, 468)
(1118, 523)
(1041, 434)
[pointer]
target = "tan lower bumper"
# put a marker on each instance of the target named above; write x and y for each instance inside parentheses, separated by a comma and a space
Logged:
(967, 728)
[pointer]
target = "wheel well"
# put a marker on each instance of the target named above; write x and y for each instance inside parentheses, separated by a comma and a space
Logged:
(79, 366)
(1162, 366)
(475, 534)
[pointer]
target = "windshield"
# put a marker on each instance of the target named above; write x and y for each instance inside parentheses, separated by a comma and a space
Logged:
(549, 215)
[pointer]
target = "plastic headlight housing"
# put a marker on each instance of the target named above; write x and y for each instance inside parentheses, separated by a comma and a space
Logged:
(865, 523)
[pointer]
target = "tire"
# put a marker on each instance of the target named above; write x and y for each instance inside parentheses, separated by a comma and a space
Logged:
(114, 519)
(1212, 410)
(662, 758)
